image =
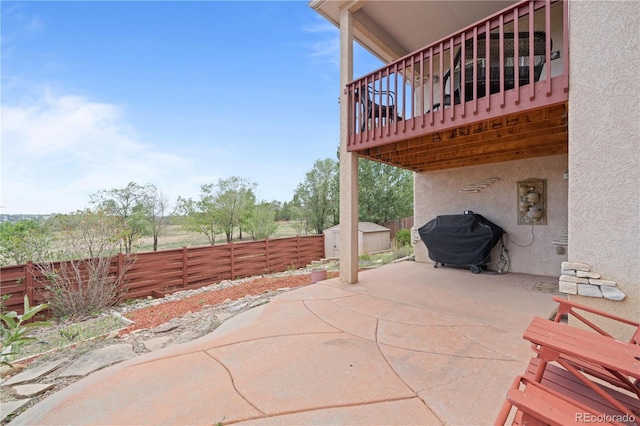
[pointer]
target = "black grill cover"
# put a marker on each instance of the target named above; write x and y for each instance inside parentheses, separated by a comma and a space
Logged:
(461, 240)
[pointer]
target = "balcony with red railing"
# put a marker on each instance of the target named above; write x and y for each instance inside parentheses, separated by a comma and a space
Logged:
(494, 91)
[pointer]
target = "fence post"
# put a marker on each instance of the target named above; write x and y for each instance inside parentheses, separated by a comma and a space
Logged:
(232, 260)
(28, 281)
(119, 266)
(266, 249)
(298, 246)
(185, 267)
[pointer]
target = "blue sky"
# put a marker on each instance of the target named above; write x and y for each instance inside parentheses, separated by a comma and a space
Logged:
(176, 94)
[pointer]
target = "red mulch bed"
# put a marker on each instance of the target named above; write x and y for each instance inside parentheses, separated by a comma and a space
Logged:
(153, 316)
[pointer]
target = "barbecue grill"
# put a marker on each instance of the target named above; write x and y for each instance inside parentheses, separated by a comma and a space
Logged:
(462, 240)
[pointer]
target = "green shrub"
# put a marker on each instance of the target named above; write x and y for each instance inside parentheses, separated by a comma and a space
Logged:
(403, 238)
(15, 327)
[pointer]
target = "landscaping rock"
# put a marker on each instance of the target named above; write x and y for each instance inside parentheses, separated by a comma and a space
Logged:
(589, 290)
(12, 371)
(7, 408)
(31, 374)
(156, 343)
(166, 327)
(612, 293)
(98, 359)
(572, 279)
(576, 265)
(567, 287)
(32, 390)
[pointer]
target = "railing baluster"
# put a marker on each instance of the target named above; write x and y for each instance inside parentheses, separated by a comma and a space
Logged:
(380, 109)
(423, 82)
(475, 71)
(565, 44)
(386, 110)
(516, 55)
(412, 83)
(431, 87)
(441, 84)
(547, 52)
(395, 90)
(463, 74)
(502, 65)
(370, 111)
(404, 94)
(487, 65)
(361, 110)
(532, 92)
(452, 79)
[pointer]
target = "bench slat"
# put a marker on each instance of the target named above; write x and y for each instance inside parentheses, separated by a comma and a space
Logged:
(549, 406)
(561, 380)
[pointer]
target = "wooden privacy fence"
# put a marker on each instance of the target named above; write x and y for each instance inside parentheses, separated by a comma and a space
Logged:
(157, 273)
(396, 225)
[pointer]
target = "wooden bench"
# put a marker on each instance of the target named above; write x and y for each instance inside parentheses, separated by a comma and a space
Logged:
(578, 391)
(577, 311)
(539, 404)
(560, 398)
(562, 381)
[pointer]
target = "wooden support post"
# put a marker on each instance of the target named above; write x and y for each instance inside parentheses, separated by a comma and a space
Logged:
(232, 266)
(28, 281)
(119, 273)
(185, 267)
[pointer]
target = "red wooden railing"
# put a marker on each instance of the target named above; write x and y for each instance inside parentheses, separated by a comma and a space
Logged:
(155, 273)
(408, 97)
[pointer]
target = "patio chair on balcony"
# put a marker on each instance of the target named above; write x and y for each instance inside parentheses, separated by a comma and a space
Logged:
(524, 68)
(376, 114)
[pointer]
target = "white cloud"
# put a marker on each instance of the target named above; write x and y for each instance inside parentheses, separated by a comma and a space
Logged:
(35, 24)
(327, 48)
(58, 150)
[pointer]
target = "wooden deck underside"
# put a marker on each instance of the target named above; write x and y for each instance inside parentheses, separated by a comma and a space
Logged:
(535, 133)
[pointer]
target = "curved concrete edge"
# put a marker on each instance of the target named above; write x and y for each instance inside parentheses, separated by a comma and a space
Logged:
(410, 411)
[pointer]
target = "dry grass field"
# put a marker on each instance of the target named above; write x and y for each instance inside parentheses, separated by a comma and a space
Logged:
(174, 237)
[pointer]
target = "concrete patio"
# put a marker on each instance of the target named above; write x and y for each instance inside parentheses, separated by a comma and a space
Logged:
(408, 344)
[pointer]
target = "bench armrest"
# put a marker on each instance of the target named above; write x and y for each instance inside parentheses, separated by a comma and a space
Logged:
(571, 308)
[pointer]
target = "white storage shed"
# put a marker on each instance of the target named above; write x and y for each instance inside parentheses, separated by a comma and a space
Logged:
(371, 238)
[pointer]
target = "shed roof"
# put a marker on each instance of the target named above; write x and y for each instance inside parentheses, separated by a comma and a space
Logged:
(364, 227)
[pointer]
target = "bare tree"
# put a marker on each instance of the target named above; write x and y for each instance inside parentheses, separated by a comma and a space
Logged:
(83, 283)
(158, 207)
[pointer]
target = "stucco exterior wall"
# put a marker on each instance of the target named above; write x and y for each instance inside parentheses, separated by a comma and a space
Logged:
(438, 193)
(604, 146)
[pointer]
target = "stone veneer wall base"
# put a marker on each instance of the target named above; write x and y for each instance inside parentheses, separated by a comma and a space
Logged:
(578, 278)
